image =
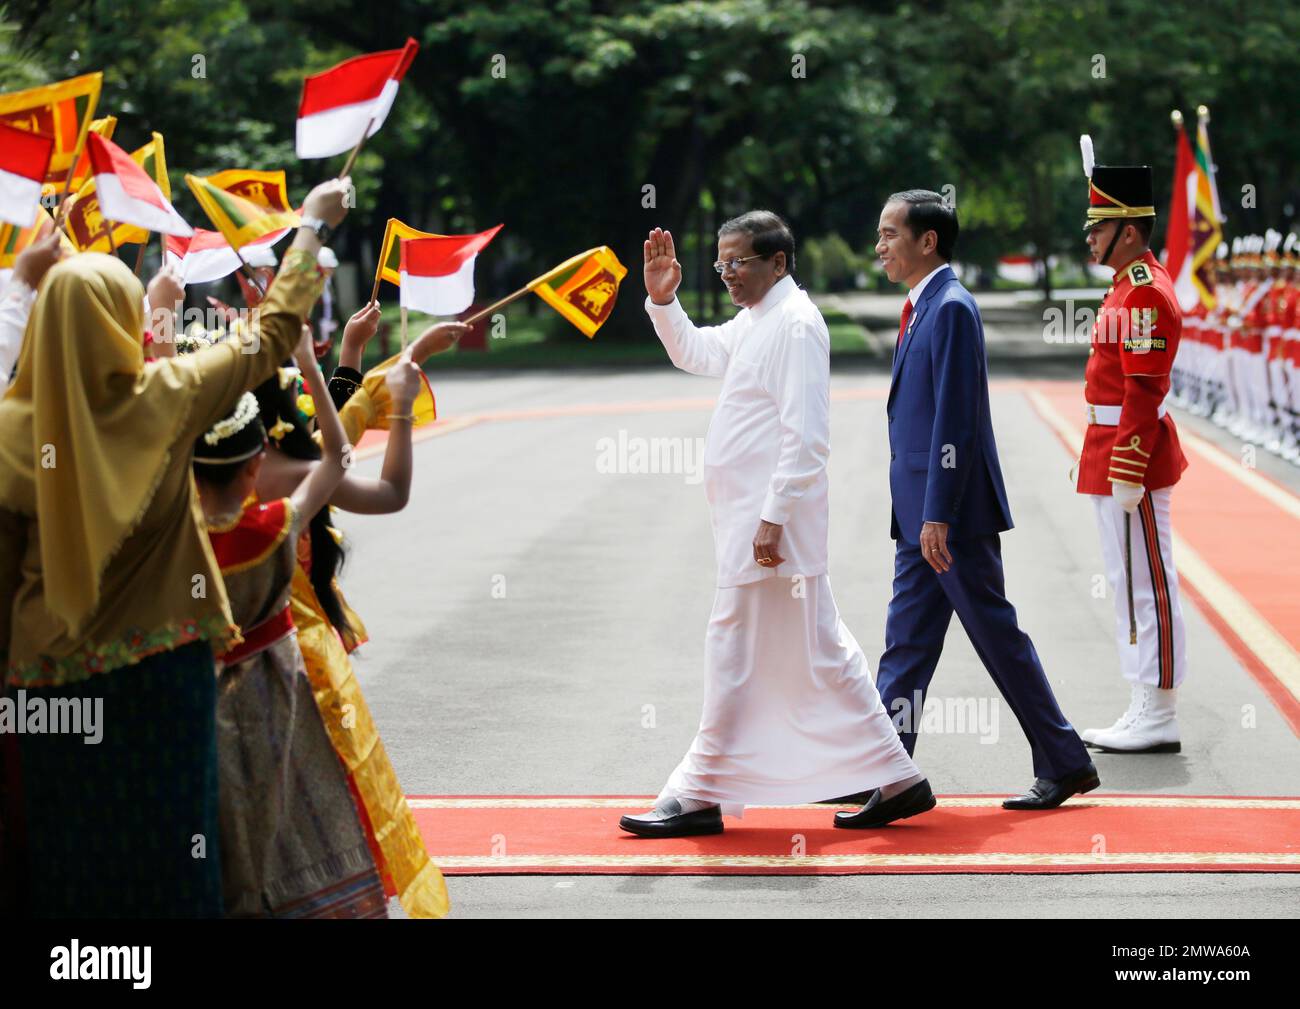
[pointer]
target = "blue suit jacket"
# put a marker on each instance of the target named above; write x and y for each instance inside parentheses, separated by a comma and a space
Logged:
(943, 463)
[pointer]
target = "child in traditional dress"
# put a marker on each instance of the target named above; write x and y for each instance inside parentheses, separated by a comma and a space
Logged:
(292, 843)
(393, 396)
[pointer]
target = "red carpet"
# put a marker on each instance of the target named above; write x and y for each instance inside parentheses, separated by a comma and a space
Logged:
(500, 834)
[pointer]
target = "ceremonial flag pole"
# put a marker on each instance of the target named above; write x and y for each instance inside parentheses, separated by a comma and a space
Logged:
(403, 329)
(67, 187)
(347, 166)
(531, 285)
(485, 312)
(72, 173)
(139, 257)
(379, 270)
(250, 273)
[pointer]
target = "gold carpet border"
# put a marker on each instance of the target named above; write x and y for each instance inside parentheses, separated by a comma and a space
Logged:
(1143, 858)
(956, 802)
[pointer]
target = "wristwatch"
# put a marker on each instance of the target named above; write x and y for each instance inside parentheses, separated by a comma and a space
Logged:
(323, 230)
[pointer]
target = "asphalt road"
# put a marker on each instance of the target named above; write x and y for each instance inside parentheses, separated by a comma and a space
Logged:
(527, 610)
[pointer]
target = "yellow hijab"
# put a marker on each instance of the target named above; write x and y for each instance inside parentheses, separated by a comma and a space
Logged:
(83, 443)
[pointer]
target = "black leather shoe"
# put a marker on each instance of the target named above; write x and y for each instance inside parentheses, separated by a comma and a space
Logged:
(878, 812)
(702, 821)
(1046, 793)
(856, 799)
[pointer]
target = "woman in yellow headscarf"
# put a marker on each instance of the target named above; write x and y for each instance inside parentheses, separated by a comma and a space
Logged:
(105, 568)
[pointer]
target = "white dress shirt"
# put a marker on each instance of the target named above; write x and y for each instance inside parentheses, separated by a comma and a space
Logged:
(768, 441)
(15, 306)
(914, 295)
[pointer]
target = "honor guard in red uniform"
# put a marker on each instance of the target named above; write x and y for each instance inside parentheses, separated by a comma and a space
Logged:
(1190, 370)
(1216, 330)
(1131, 456)
(1230, 295)
(1254, 364)
(1278, 309)
(1272, 311)
(1291, 346)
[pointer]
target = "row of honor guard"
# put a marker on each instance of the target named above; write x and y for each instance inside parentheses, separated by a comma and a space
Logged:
(1240, 360)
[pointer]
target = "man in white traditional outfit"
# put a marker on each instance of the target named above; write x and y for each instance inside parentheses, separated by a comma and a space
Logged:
(791, 714)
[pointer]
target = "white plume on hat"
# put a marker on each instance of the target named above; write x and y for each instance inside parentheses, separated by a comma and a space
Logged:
(1085, 148)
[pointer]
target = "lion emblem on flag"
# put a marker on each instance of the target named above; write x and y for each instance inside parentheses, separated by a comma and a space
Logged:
(595, 298)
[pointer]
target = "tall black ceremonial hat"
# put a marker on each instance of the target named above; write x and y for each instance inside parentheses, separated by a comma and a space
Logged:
(1122, 191)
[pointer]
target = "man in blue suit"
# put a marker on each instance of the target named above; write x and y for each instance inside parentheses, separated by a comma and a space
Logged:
(949, 505)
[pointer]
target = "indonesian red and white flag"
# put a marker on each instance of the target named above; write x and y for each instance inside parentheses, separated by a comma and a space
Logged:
(207, 256)
(24, 158)
(438, 272)
(127, 194)
(349, 101)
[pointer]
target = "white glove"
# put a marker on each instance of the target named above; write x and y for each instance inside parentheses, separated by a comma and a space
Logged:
(1127, 496)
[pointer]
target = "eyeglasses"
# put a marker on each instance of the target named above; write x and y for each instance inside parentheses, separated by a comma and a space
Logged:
(734, 264)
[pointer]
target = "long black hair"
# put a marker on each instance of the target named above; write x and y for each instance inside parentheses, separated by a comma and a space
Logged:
(279, 406)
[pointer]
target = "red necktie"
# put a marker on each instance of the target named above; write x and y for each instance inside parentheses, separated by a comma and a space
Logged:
(902, 322)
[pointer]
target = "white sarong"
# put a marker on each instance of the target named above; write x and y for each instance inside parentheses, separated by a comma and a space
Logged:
(791, 713)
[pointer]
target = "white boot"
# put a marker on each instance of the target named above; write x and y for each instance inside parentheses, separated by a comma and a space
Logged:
(1152, 728)
(1134, 706)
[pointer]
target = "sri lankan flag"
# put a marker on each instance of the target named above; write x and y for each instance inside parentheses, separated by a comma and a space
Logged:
(1195, 218)
(14, 239)
(63, 111)
(583, 289)
(245, 205)
(85, 222)
(1207, 228)
(390, 250)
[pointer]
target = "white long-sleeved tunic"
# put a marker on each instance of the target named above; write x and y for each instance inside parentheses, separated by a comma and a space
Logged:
(769, 439)
(16, 300)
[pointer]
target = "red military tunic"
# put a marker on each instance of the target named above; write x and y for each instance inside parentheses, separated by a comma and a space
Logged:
(1134, 342)
(1279, 316)
(1250, 335)
(1290, 323)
